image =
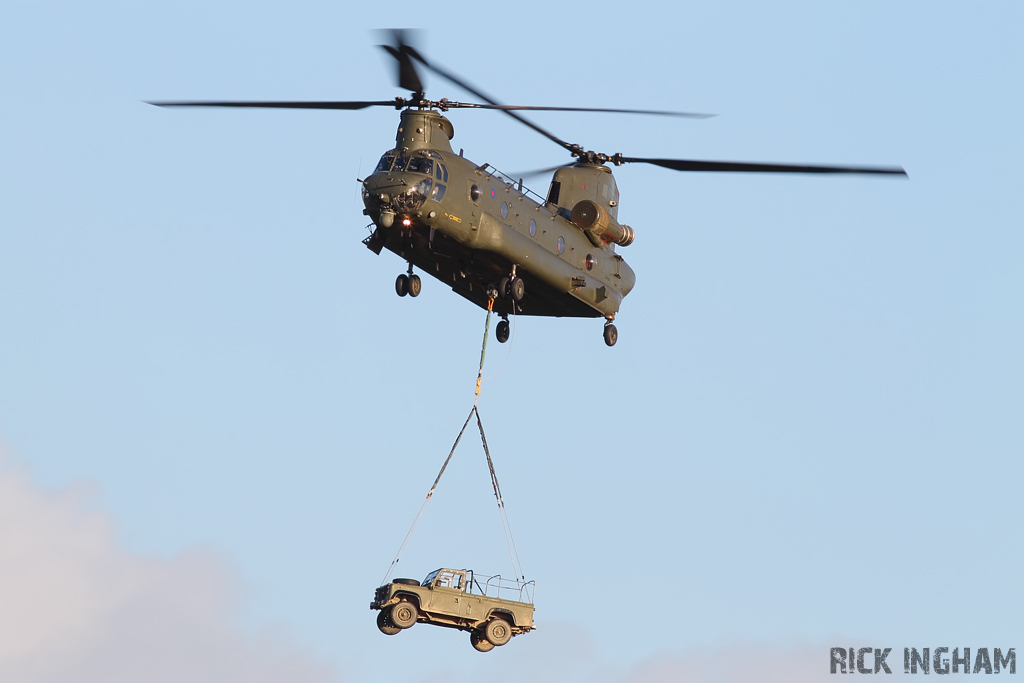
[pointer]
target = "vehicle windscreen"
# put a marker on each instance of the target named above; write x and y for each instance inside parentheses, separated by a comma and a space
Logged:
(430, 577)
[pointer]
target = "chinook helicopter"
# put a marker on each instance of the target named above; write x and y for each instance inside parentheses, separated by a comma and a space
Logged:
(495, 242)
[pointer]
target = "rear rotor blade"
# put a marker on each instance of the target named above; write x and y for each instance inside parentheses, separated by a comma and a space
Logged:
(745, 167)
(283, 105)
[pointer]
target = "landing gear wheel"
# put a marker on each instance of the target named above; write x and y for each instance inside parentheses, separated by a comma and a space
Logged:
(415, 285)
(517, 289)
(480, 644)
(611, 335)
(384, 623)
(403, 615)
(402, 285)
(497, 631)
(503, 288)
(501, 332)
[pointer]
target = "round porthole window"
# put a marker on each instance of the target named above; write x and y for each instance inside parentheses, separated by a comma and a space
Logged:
(504, 210)
(474, 193)
(590, 261)
(561, 244)
(533, 228)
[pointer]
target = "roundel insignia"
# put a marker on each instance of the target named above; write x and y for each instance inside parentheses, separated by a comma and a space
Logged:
(492, 194)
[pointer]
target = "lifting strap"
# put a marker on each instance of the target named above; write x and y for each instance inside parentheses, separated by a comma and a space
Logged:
(506, 527)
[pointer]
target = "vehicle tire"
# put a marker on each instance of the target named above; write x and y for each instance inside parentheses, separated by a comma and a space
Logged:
(479, 643)
(415, 285)
(497, 631)
(406, 582)
(402, 285)
(403, 615)
(384, 623)
(611, 335)
(502, 331)
(517, 289)
(503, 288)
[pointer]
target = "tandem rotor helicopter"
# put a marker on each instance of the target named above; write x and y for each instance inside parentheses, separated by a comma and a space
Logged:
(484, 233)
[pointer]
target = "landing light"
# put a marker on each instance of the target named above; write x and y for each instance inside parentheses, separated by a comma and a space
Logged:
(406, 222)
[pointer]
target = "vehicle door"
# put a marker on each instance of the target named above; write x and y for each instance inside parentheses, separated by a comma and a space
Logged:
(447, 592)
(473, 606)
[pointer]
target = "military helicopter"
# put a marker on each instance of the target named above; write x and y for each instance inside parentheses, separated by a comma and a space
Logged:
(481, 231)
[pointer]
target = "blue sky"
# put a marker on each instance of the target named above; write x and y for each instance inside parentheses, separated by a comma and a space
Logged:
(808, 431)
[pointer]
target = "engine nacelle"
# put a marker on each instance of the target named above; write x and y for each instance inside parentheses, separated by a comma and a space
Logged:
(599, 226)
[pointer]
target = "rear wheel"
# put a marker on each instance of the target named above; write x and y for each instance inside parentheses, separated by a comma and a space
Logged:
(384, 623)
(611, 335)
(497, 631)
(403, 615)
(402, 285)
(480, 644)
(501, 332)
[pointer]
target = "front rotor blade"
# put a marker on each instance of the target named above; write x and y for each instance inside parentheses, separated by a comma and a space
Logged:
(653, 112)
(745, 167)
(282, 105)
(466, 86)
(404, 53)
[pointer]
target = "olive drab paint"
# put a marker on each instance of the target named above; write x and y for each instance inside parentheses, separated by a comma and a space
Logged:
(478, 230)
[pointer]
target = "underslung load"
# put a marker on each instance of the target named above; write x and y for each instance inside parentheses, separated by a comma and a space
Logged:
(491, 608)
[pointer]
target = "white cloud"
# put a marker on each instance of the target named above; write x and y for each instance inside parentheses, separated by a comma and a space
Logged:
(75, 607)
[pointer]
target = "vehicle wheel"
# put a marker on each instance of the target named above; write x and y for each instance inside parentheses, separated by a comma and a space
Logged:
(480, 644)
(403, 615)
(502, 331)
(384, 623)
(402, 285)
(415, 285)
(517, 289)
(497, 631)
(406, 582)
(611, 335)
(503, 287)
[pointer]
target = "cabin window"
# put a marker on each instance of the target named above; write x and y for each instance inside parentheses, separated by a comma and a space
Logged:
(533, 228)
(556, 189)
(400, 163)
(438, 193)
(504, 210)
(474, 193)
(384, 165)
(561, 244)
(420, 165)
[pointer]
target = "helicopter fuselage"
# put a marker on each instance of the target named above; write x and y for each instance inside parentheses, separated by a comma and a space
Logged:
(469, 226)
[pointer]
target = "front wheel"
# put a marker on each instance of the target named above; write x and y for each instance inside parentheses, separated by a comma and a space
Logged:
(403, 615)
(497, 631)
(385, 625)
(415, 285)
(517, 289)
(402, 285)
(480, 644)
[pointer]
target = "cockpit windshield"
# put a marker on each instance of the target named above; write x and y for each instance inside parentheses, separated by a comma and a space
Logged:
(417, 164)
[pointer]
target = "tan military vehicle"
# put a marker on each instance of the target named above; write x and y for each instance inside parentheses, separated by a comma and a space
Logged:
(492, 609)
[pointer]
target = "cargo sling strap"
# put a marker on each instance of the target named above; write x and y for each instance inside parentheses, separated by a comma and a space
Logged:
(506, 527)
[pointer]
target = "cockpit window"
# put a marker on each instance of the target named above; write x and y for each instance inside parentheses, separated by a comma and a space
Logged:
(385, 163)
(441, 172)
(420, 165)
(400, 164)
